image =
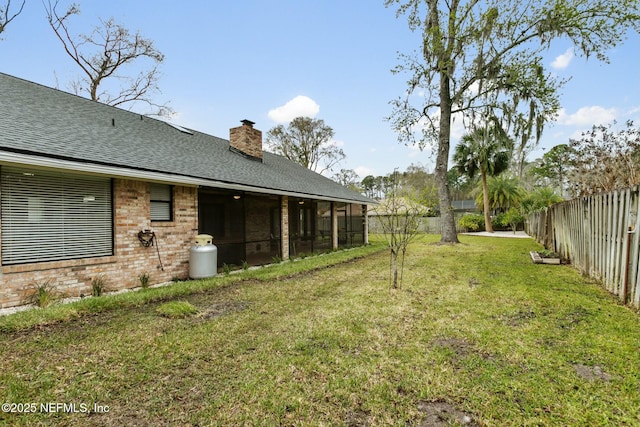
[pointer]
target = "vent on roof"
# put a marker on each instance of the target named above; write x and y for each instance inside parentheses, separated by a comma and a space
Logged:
(180, 128)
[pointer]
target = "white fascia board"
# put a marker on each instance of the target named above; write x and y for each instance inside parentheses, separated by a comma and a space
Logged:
(17, 159)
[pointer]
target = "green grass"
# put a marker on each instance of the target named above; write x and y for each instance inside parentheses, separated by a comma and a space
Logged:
(477, 329)
(60, 313)
(177, 309)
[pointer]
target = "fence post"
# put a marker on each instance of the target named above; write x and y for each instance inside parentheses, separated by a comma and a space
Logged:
(632, 285)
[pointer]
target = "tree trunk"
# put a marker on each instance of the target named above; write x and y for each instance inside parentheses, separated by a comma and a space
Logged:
(448, 223)
(485, 202)
(394, 269)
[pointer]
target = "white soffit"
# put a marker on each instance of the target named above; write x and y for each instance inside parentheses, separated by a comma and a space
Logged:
(17, 159)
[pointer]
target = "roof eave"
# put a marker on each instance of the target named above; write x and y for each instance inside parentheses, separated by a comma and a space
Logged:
(21, 159)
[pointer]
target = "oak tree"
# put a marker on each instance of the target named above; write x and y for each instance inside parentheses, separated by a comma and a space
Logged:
(554, 166)
(306, 141)
(486, 54)
(347, 178)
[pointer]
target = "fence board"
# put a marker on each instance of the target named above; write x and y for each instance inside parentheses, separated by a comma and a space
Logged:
(593, 232)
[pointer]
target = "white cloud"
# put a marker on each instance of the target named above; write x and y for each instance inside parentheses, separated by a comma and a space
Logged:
(474, 89)
(458, 128)
(587, 116)
(576, 134)
(562, 61)
(297, 107)
(363, 171)
(634, 111)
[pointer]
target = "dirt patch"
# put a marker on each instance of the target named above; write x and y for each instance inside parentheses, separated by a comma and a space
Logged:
(461, 348)
(592, 373)
(440, 414)
(357, 418)
(518, 318)
(574, 318)
(220, 309)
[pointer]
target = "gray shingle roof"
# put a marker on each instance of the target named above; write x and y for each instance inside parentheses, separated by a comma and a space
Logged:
(38, 120)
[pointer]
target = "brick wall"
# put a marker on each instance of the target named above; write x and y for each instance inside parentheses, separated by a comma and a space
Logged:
(73, 278)
(246, 139)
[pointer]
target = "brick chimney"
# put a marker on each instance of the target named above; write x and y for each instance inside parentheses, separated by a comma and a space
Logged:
(246, 140)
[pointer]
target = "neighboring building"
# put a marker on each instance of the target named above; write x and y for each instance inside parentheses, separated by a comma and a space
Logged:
(465, 206)
(81, 182)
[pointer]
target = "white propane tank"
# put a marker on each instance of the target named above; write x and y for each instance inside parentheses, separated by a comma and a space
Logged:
(203, 258)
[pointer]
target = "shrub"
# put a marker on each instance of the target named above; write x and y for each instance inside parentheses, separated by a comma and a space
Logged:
(472, 222)
(43, 295)
(144, 280)
(226, 268)
(540, 199)
(499, 222)
(513, 218)
(98, 286)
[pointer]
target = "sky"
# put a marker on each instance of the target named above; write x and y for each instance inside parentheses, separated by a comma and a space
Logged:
(272, 60)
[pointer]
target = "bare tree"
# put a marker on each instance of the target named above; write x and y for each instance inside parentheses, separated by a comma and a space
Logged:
(605, 159)
(102, 56)
(306, 141)
(399, 216)
(6, 16)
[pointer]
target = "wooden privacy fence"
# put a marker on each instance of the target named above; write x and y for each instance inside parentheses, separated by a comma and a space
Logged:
(600, 235)
(429, 225)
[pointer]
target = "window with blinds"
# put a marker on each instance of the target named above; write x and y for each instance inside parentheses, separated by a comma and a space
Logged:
(161, 202)
(51, 216)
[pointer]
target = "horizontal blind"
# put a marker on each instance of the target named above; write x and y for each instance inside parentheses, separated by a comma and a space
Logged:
(161, 202)
(49, 216)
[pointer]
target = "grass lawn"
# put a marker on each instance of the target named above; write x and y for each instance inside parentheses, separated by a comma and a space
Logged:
(478, 335)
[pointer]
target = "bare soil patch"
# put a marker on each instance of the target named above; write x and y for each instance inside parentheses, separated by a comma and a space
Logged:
(592, 373)
(518, 318)
(222, 308)
(462, 348)
(441, 413)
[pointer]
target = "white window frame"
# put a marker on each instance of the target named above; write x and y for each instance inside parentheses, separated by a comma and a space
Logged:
(161, 202)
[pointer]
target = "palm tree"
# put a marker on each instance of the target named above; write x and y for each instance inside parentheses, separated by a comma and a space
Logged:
(504, 193)
(485, 151)
(541, 198)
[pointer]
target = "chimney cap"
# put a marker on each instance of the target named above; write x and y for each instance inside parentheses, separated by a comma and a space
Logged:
(247, 122)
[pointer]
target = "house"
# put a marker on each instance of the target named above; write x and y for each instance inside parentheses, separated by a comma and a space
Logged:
(87, 189)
